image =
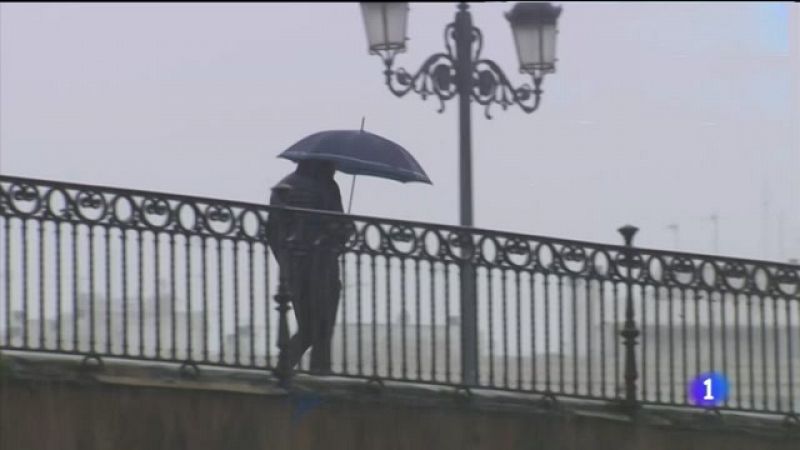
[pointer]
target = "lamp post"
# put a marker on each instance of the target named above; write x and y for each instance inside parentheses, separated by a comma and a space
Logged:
(461, 71)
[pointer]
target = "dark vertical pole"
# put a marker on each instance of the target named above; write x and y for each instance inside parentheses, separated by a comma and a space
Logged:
(204, 249)
(267, 319)
(463, 38)
(629, 331)
(284, 299)
(469, 310)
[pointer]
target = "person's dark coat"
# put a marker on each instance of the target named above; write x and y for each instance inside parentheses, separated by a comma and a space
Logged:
(304, 188)
(312, 273)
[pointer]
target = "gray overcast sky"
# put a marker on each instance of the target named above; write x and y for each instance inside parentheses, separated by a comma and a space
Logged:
(659, 113)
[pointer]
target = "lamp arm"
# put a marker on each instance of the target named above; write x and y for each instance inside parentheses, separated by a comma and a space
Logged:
(434, 77)
(491, 85)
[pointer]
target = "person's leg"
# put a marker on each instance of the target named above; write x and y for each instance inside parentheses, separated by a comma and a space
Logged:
(326, 323)
(302, 304)
(302, 340)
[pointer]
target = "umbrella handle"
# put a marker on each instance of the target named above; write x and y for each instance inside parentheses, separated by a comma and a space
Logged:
(352, 188)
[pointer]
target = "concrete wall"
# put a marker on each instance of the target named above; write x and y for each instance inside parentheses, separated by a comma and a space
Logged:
(86, 414)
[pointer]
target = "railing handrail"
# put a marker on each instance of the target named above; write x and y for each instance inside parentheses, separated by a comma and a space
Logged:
(391, 221)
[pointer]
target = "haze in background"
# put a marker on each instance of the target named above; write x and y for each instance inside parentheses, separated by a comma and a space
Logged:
(659, 113)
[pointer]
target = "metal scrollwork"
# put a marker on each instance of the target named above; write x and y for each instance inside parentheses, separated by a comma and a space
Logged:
(158, 212)
(573, 259)
(486, 83)
(460, 246)
(91, 205)
(787, 281)
(216, 215)
(629, 265)
(57, 204)
(734, 276)
(402, 240)
(435, 77)
(186, 217)
(123, 215)
(491, 86)
(21, 194)
(682, 271)
(518, 253)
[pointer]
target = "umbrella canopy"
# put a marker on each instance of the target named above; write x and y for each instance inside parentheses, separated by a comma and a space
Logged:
(359, 152)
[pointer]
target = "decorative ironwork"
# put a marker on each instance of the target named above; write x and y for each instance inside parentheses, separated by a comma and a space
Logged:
(100, 248)
(148, 211)
(486, 82)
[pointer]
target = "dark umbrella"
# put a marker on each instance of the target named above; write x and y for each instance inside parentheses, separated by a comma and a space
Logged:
(358, 152)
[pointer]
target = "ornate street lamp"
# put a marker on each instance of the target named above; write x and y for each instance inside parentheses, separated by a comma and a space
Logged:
(460, 71)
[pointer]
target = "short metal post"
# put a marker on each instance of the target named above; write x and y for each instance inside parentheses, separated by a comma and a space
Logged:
(629, 331)
(284, 299)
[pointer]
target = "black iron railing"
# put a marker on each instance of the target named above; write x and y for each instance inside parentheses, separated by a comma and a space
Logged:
(115, 273)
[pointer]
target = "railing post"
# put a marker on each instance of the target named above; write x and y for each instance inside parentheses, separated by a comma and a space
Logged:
(469, 315)
(284, 298)
(629, 331)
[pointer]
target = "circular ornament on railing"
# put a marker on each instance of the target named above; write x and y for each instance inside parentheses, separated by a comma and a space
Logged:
(58, 204)
(518, 252)
(709, 274)
(573, 259)
(155, 212)
(123, 210)
(187, 217)
(219, 219)
(91, 205)
(787, 281)
(251, 224)
(24, 199)
(373, 238)
(545, 256)
(682, 271)
(601, 263)
(402, 240)
(734, 276)
(762, 280)
(489, 250)
(460, 246)
(354, 236)
(432, 244)
(628, 266)
(656, 269)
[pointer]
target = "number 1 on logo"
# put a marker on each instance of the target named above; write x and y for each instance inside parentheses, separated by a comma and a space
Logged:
(708, 395)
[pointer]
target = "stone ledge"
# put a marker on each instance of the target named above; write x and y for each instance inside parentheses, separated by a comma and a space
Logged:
(32, 367)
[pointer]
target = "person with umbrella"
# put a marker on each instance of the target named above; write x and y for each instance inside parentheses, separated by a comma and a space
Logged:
(313, 273)
(314, 278)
